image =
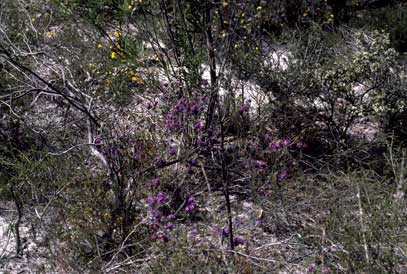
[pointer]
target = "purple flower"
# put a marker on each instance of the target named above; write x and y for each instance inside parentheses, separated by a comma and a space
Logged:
(193, 163)
(245, 107)
(209, 132)
(194, 109)
(170, 125)
(198, 126)
(173, 151)
(171, 217)
(184, 101)
(200, 141)
(190, 208)
(180, 125)
(204, 82)
(193, 233)
(225, 231)
(311, 269)
(98, 142)
(286, 142)
(300, 144)
(326, 270)
(238, 241)
(191, 199)
(261, 164)
(151, 201)
(275, 145)
(154, 225)
(137, 157)
(155, 213)
(169, 225)
(155, 182)
(162, 198)
(160, 235)
(159, 162)
(283, 175)
(179, 108)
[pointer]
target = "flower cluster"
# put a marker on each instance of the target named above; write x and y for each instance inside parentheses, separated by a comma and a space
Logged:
(280, 144)
(191, 206)
(224, 233)
(155, 182)
(133, 3)
(184, 111)
(261, 166)
(134, 78)
(207, 140)
(161, 220)
(245, 107)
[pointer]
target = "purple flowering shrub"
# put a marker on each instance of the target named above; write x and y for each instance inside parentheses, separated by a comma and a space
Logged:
(160, 216)
(184, 114)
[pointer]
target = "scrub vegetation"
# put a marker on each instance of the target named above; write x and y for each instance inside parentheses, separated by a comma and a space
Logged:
(173, 136)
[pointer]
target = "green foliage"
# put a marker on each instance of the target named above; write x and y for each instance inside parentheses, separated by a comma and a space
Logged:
(96, 11)
(391, 19)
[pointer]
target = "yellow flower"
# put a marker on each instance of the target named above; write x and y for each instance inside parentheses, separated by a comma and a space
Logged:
(50, 34)
(117, 34)
(225, 4)
(100, 46)
(330, 18)
(137, 80)
(117, 45)
(113, 55)
(130, 7)
(259, 8)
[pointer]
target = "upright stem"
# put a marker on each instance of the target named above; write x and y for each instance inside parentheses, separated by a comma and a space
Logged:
(212, 64)
(17, 202)
(225, 179)
(362, 223)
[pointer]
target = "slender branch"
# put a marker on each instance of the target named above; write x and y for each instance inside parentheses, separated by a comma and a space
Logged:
(49, 85)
